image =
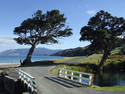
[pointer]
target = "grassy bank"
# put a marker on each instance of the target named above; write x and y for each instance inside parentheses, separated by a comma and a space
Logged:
(90, 63)
(111, 88)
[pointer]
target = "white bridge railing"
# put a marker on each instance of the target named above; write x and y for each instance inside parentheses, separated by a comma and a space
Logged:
(28, 80)
(80, 77)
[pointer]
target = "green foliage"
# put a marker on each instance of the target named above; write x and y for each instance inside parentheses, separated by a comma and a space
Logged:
(103, 31)
(42, 28)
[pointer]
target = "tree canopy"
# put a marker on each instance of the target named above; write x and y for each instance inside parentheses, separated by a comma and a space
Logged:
(42, 28)
(103, 31)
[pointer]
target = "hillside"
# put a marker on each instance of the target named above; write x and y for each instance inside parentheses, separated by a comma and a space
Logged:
(85, 51)
(79, 51)
(23, 52)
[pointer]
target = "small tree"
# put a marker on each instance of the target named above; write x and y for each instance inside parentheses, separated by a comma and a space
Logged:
(102, 31)
(41, 29)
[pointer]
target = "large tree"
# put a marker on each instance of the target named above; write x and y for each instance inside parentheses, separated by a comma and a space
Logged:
(103, 31)
(41, 28)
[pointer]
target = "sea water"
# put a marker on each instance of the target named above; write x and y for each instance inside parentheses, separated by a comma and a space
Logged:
(16, 59)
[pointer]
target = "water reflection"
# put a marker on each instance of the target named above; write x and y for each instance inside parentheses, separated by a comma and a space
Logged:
(110, 79)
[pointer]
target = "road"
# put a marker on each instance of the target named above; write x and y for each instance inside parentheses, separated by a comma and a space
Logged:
(50, 84)
(72, 61)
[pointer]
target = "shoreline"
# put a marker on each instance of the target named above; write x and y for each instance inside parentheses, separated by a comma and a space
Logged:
(8, 65)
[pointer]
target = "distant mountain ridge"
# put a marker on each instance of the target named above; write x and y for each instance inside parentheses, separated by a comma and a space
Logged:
(85, 51)
(23, 52)
(79, 51)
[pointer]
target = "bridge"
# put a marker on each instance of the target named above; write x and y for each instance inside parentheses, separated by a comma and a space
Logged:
(69, 75)
(27, 81)
(46, 83)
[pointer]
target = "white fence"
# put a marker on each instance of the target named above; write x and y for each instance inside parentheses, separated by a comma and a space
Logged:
(80, 77)
(28, 80)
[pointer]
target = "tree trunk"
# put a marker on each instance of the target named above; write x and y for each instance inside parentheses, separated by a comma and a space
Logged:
(29, 55)
(105, 56)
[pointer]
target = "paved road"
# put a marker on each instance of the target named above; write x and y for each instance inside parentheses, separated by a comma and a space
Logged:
(73, 60)
(49, 84)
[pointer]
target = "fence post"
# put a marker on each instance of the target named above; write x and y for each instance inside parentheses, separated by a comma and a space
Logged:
(65, 74)
(60, 73)
(91, 80)
(72, 75)
(80, 75)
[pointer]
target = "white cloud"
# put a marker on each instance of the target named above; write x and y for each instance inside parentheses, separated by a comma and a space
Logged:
(7, 42)
(6, 39)
(91, 12)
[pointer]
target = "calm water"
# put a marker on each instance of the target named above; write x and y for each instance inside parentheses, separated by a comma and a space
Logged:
(110, 79)
(16, 59)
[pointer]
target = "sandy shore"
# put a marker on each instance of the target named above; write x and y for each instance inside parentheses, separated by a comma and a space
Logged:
(9, 66)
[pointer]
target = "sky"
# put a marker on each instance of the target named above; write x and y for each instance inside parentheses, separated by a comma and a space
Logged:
(77, 12)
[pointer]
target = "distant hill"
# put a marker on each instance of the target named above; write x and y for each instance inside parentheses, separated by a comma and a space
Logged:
(23, 52)
(79, 51)
(85, 51)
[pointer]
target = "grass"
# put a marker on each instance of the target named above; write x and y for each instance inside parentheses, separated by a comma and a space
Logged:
(111, 88)
(116, 50)
(55, 69)
(87, 64)
(90, 63)
(64, 59)
(92, 59)
(75, 68)
(115, 59)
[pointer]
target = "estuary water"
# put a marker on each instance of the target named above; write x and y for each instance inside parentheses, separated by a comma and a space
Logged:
(16, 59)
(110, 79)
